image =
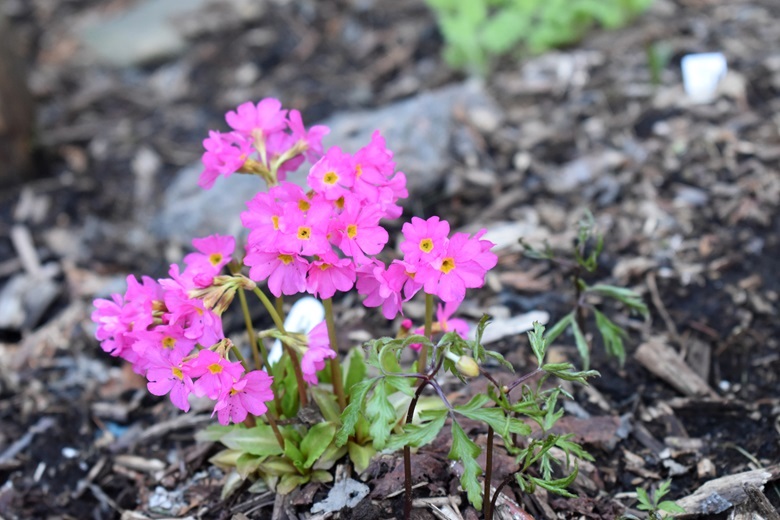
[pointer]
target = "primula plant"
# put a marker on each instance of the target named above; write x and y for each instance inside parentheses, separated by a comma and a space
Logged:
(287, 422)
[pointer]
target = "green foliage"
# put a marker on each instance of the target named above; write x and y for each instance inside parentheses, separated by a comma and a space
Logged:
(478, 31)
(655, 507)
(588, 298)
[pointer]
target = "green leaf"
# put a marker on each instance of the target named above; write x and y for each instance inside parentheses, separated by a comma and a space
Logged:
(360, 455)
(496, 417)
(294, 454)
(259, 440)
(215, 432)
(316, 442)
(416, 435)
(498, 357)
(644, 500)
(612, 335)
(381, 414)
(670, 507)
(629, 298)
(321, 475)
(404, 385)
(351, 414)
(247, 464)
(327, 404)
(478, 350)
(557, 329)
(288, 483)
(356, 369)
(538, 343)
(466, 451)
(226, 458)
(503, 31)
(277, 466)
(582, 344)
(558, 486)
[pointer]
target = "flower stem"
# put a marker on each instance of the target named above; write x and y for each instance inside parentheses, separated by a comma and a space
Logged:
(279, 301)
(250, 329)
(335, 364)
(408, 453)
(271, 309)
(240, 357)
(272, 422)
(487, 510)
(423, 359)
(299, 376)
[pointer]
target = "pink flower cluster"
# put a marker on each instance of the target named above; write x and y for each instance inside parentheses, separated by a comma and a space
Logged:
(317, 241)
(168, 336)
(264, 140)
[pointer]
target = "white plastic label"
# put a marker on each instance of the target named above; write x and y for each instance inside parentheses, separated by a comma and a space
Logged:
(304, 315)
(701, 75)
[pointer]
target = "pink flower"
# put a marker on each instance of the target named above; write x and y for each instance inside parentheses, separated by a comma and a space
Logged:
(167, 375)
(425, 239)
(247, 395)
(462, 265)
(312, 138)
(358, 232)
(286, 272)
(263, 218)
(319, 350)
(166, 339)
(443, 315)
(382, 287)
(200, 323)
(225, 154)
(216, 374)
(214, 253)
(120, 318)
(332, 176)
(330, 274)
(258, 120)
(305, 232)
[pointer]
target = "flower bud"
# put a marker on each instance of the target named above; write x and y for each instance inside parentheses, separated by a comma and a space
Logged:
(467, 366)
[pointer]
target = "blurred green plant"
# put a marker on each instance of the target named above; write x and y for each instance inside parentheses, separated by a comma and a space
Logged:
(585, 252)
(655, 507)
(478, 31)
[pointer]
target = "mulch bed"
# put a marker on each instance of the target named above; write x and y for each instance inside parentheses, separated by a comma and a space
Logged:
(687, 196)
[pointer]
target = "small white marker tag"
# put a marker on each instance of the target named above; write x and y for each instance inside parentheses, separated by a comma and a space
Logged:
(701, 75)
(304, 315)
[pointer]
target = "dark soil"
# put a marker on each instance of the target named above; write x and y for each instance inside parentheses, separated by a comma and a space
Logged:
(689, 208)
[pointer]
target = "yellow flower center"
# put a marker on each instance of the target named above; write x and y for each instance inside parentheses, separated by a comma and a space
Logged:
(275, 220)
(286, 259)
(330, 178)
(168, 342)
(426, 245)
(304, 233)
(358, 171)
(324, 267)
(340, 203)
(447, 265)
(215, 258)
(215, 368)
(352, 231)
(304, 205)
(177, 372)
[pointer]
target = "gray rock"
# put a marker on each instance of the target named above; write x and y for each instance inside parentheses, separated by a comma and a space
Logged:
(582, 171)
(144, 33)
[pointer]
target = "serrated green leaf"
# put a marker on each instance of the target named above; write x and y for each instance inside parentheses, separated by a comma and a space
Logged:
(404, 385)
(582, 344)
(496, 417)
(466, 451)
(644, 500)
(612, 335)
(351, 414)
(478, 349)
(558, 486)
(501, 361)
(259, 440)
(356, 369)
(416, 435)
(381, 415)
(538, 343)
(316, 442)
